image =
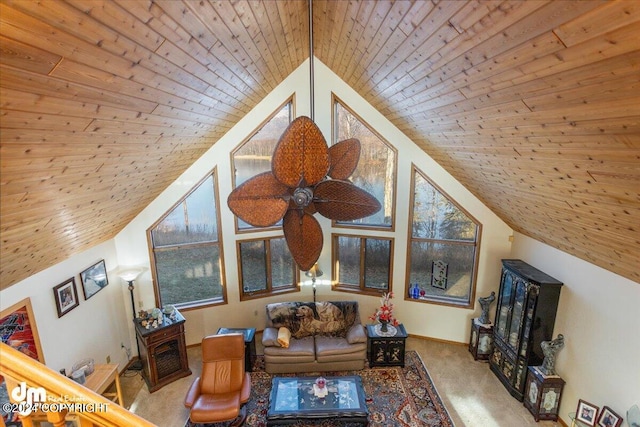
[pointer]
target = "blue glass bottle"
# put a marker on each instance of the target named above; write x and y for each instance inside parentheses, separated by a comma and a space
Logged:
(415, 291)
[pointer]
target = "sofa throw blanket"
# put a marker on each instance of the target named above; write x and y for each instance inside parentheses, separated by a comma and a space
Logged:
(304, 319)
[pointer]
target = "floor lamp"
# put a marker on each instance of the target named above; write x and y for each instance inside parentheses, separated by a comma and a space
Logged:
(129, 276)
(313, 273)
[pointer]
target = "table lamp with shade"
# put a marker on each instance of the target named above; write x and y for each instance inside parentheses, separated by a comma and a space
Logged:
(129, 275)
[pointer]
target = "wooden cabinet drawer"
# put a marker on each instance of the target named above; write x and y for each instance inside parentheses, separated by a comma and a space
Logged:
(164, 334)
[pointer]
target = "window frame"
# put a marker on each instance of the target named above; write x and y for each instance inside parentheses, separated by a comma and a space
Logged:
(219, 243)
(269, 291)
(252, 229)
(410, 240)
(334, 137)
(361, 288)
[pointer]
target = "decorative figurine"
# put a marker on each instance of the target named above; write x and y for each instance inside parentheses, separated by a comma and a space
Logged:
(550, 349)
(485, 303)
(320, 388)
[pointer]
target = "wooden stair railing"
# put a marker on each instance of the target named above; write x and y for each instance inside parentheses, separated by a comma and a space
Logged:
(17, 368)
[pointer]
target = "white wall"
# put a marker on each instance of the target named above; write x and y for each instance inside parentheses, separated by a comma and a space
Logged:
(420, 319)
(94, 329)
(599, 317)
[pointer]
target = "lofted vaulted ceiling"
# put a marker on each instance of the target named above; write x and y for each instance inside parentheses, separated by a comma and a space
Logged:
(533, 105)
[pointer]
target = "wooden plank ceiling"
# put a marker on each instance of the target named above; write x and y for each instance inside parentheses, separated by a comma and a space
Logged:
(534, 106)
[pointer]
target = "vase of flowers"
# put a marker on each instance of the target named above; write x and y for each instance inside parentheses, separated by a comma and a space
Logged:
(384, 314)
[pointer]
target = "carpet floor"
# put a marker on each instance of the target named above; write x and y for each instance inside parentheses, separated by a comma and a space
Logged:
(396, 397)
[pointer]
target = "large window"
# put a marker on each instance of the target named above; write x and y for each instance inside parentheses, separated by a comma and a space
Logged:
(186, 250)
(376, 171)
(253, 155)
(362, 264)
(266, 268)
(443, 246)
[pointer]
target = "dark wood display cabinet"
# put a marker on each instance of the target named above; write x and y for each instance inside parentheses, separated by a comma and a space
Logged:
(525, 316)
(386, 349)
(163, 351)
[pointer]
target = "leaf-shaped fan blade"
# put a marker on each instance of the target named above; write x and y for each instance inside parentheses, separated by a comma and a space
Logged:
(302, 155)
(304, 238)
(344, 158)
(343, 201)
(261, 201)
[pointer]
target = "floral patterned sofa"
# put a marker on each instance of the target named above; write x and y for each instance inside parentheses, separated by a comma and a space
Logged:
(324, 336)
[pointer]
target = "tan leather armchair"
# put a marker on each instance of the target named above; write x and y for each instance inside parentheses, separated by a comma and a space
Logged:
(223, 387)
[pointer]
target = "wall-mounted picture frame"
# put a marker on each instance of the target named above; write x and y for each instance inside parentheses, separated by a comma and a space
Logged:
(18, 330)
(94, 279)
(608, 418)
(587, 413)
(66, 296)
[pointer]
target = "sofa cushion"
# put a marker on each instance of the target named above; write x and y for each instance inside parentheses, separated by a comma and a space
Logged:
(303, 319)
(333, 349)
(300, 350)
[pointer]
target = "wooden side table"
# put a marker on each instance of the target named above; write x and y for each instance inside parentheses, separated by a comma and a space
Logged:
(101, 378)
(163, 352)
(249, 344)
(99, 381)
(384, 349)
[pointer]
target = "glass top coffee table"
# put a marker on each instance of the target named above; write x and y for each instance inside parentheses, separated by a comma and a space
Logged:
(296, 399)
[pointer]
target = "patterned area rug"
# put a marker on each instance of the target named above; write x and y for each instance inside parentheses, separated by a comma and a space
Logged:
(395, 396)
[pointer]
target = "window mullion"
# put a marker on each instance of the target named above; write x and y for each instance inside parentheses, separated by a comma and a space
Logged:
(363, 249)
(267, 263)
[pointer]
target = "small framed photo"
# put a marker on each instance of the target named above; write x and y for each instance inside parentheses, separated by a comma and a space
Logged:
(66, 295)
(94, 279)
(608, 418)
(587, 413)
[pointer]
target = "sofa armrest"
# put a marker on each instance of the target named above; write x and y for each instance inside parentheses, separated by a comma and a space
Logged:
(193, 393)
(356, 334)
(270, 337)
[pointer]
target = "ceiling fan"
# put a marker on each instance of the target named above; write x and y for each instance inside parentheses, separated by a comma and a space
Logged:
(306, 177)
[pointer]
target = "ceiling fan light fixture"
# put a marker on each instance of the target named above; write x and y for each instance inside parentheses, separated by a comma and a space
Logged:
(307, 176)
(294, 190)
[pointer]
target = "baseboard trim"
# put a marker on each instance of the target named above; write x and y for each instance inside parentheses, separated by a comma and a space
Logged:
(422, 337)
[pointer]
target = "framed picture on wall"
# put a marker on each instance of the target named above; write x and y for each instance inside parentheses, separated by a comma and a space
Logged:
(18, 330)
(66, 296)
(94, 279)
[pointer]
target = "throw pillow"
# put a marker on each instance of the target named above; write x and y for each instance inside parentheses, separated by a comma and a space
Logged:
(284, 335)
(356, 334)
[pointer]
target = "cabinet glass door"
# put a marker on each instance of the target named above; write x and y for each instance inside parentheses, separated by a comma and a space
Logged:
(502, 316)
(517, 313)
